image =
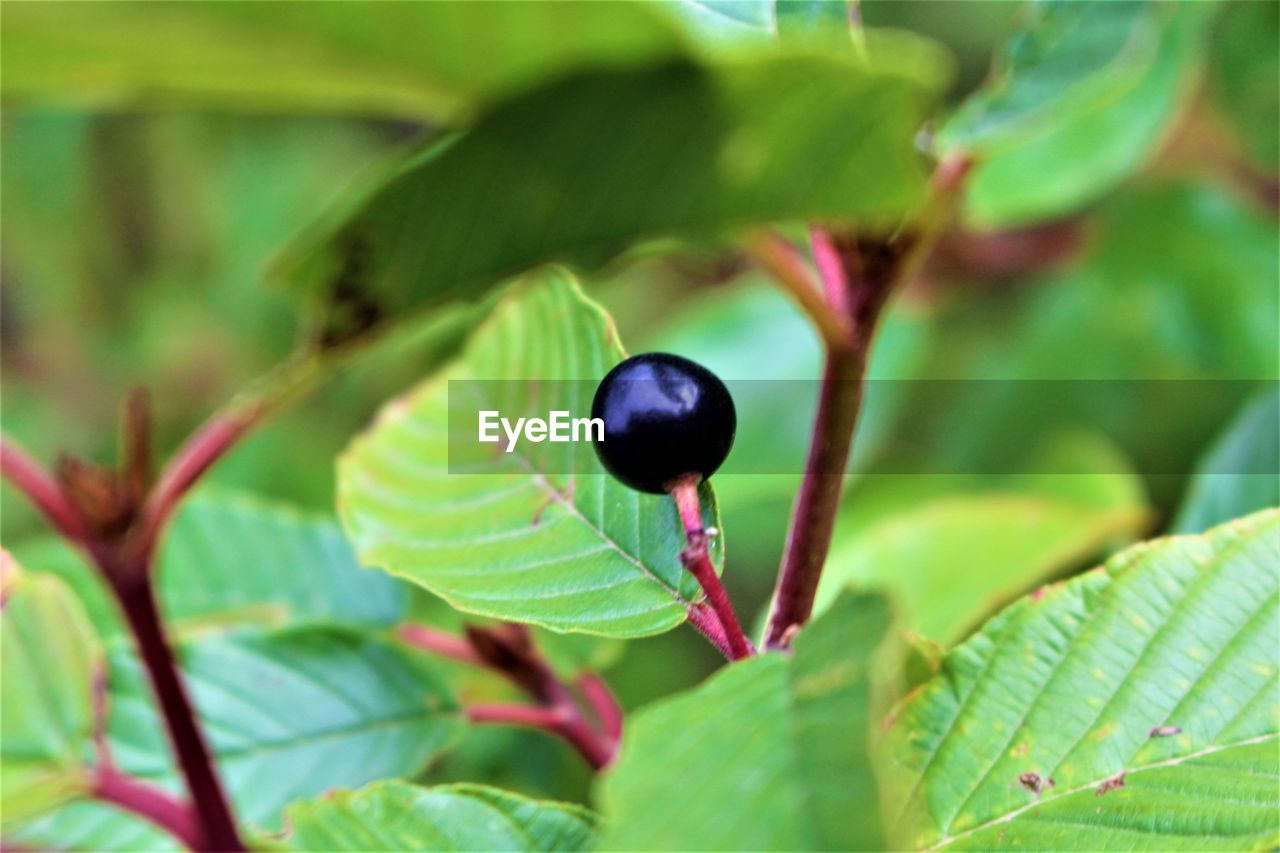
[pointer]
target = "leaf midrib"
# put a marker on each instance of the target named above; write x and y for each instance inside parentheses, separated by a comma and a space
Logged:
(1094, 783)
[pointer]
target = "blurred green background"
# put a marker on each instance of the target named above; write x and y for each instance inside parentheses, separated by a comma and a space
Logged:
(135, 242)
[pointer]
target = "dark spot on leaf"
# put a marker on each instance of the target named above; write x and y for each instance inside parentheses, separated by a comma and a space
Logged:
(350, 308)
(1034, 783)
(1116, 781)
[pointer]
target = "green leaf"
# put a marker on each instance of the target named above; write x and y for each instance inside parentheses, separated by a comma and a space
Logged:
(1245, 65)
(1142, 696)
(1241, 472)
(581, 169)
(810, 19)
(953, 548)
(769, 754)
(398, 816)
(434, 60)
(1040, 163)
(1064, 59)
(716, 22)
(230, 559)
(290, 714)
(569, 552)
(49, 653)
(1179, 286)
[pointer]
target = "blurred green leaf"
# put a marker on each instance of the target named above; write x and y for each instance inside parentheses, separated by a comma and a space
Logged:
(1245, 64)
(1133, 706)
(230, 559)
(49, 653)
(398, 816)
(1064, 59)
(724, 21)
(531, 542)
(581, 169)
(1178, 285)
(809, 19)
(1241, 472)
(1044, 157)
(769, 754)
(954, 548)
(435, 60)
(288, 714)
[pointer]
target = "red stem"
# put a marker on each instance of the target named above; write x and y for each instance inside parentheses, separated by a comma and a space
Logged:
(547, 719)
(814, 516)
(697, 560)
(42, 490)
(217, 826)
(198, 454)
(704, 619)
(440, 643)
(603, 703)
(557, 720)
(147, 802)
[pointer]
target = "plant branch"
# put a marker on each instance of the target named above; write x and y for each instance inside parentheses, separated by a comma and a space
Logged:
(508, 650)
(704, 619)
(197, 455)
(697, 560)
(152, 804)
(44, 492)
(440, 643)
(859, 273)
(781, 260)
(217, 828)
(603, 703)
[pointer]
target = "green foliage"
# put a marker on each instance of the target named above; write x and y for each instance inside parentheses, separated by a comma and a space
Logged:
(398, 816)
(1245, 61)
(951, 548)
(1134, 705)
(593, 163)
(286, 567)
(1086, 93)
(771, 754)
(436, 60)
(548, 539)
(289, 714)
(50, 655)
(1239, 473)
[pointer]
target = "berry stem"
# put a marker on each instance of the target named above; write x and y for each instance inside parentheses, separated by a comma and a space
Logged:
(697, 560)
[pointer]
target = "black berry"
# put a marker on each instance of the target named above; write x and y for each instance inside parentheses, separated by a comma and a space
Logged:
(664, 417)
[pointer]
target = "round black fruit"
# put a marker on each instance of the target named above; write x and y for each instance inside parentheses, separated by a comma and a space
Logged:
(665, 417)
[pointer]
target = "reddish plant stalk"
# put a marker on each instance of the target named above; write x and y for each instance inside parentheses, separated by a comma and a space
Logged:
(603, 703)
(197, 455)
(148, 802)
(508, 651)
(125, 563)
(39, 487)
(440, 643)
(857, 275)
(813, 519)
(697, 559)
(217, 828)
(704, 619)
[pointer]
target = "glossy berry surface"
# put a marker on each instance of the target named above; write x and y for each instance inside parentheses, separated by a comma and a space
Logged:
(664, 417)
